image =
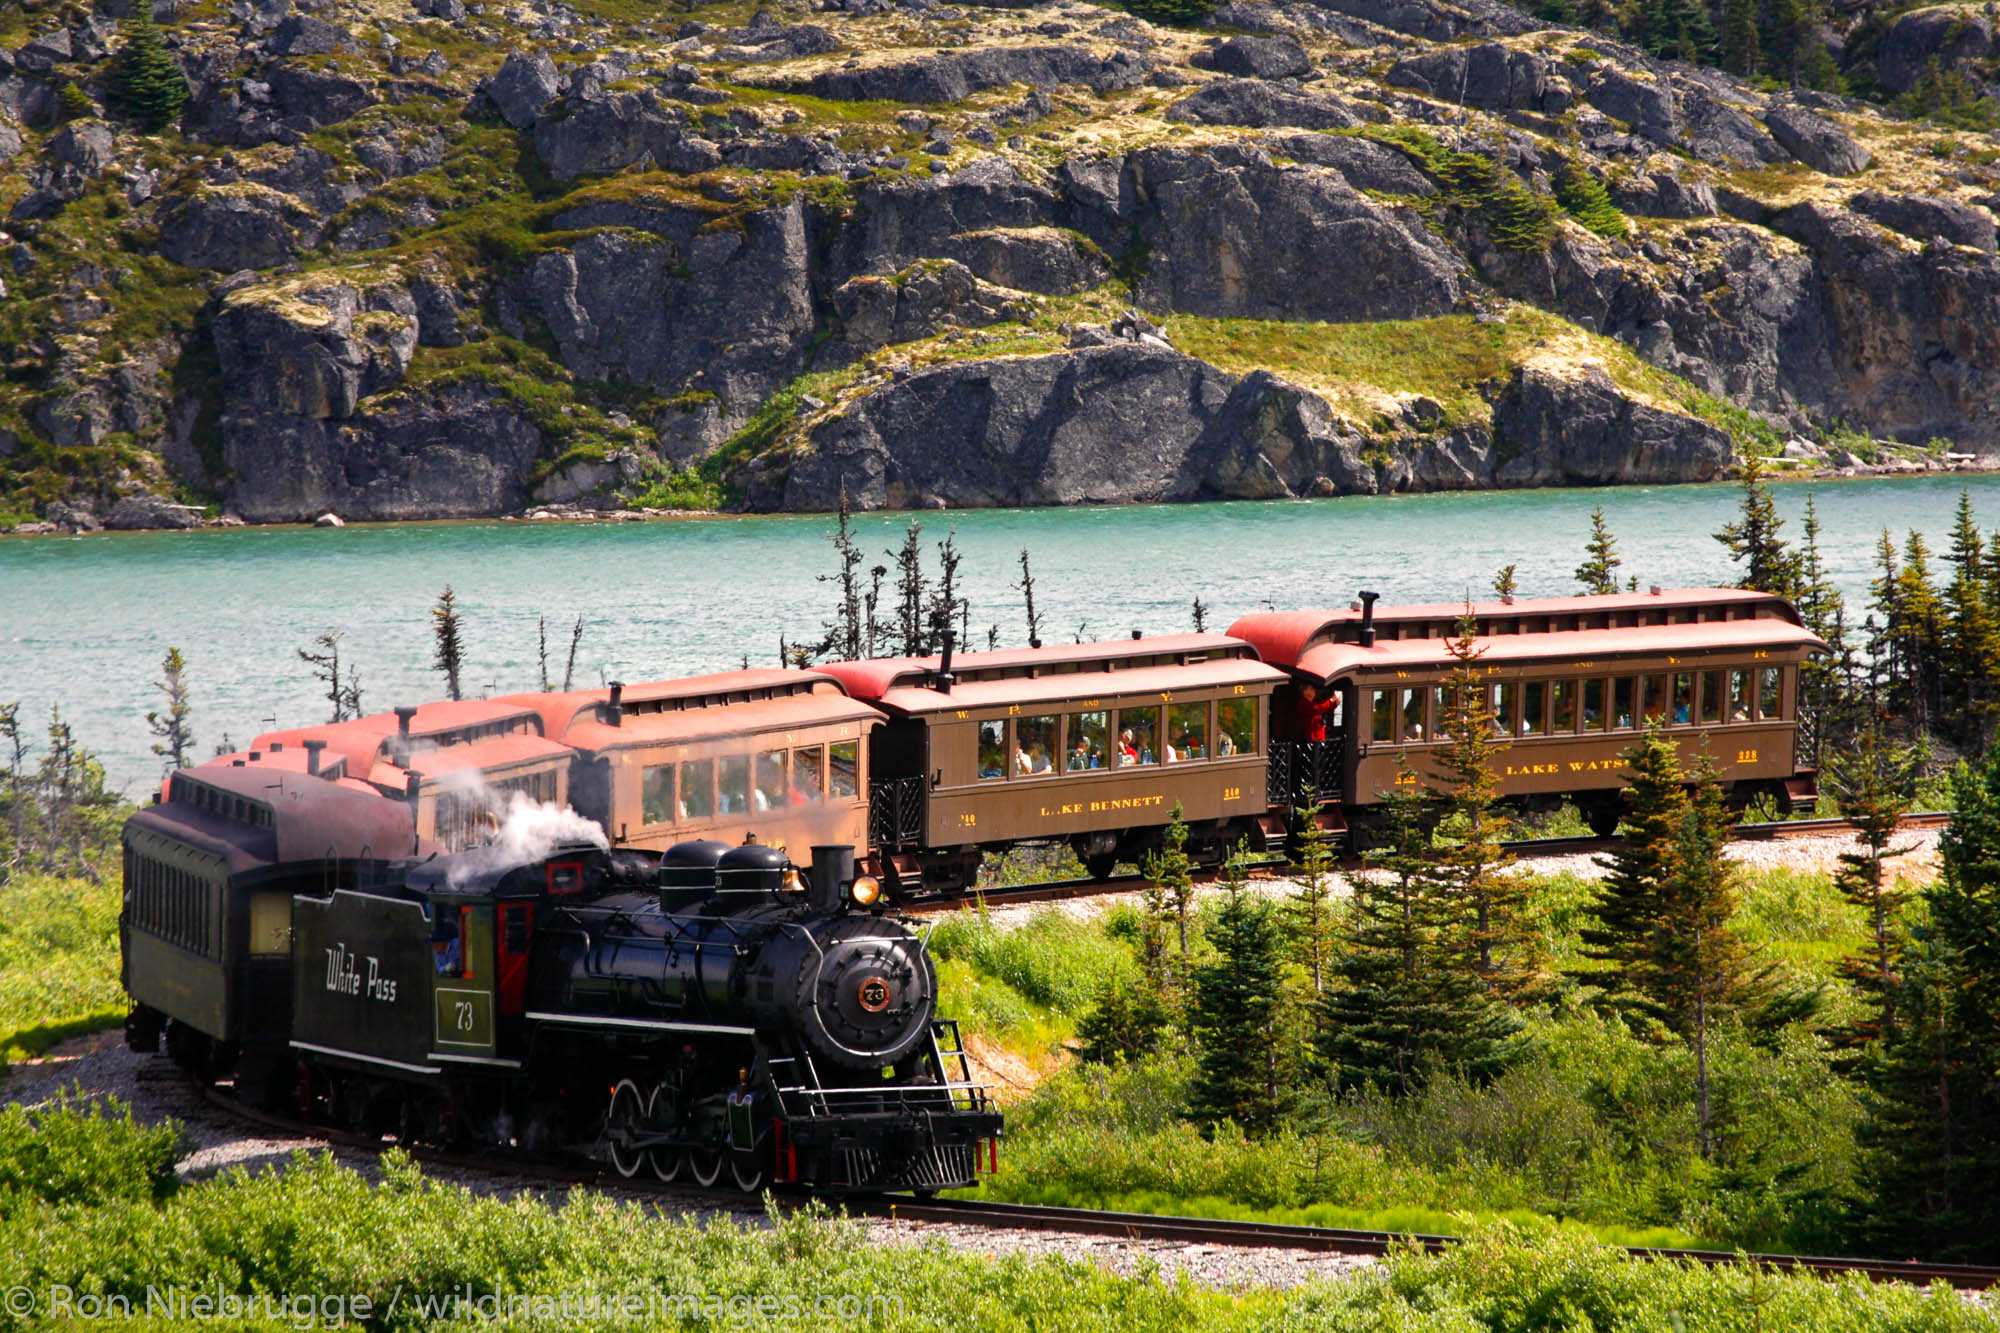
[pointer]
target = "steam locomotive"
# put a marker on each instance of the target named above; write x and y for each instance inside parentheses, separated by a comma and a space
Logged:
(701, 1010)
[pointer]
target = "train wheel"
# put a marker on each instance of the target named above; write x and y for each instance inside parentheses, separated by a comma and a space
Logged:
(1603, 818)
(705, 1165)
(622, 1123)
(667, 1161)
(1101, 866)
(748, 1170)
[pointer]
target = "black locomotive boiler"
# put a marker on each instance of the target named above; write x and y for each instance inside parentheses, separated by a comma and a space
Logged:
(705, 1011)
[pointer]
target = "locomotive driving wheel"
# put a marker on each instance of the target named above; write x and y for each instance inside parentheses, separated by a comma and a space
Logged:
(623, 1123)
(705, 1165)
(667, 1160)
(748, 1169)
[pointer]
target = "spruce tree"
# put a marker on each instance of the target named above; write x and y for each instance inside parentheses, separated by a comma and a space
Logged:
(1127, 1021)
(1969, 659)
(1599, 571)
(1310, 913)
(1741, 50)
(844, 634)
(1584, 198)
(1505, 585)
(1404, 998)
(448, 647)
(1167, 897)
(146, 85)
(1934, 1142)
(1699, 972)
(1753, 541)
(175, 737)
(1820, 703)
(1471, 864)
(1874, 784)
(1919, 633)
(1235, 1011)
(1618, 942)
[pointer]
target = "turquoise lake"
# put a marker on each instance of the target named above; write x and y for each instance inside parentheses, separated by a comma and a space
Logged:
(85, 621)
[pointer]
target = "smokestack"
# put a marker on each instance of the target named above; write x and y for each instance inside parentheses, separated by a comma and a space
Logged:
(945, 680)
(833, 867)
(615, 713)
(412, 785)
(1368, 600)
(1136, 634)
(403, 715)
(313, 747)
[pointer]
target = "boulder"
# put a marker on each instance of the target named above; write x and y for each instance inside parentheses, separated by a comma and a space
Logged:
(71, 517)
(608, 134)
(139, 512)
(1492, 75)
(87, 145)
(1662, 194)
(1816, 141)
(1256, 58)
(1256, 103)
(302, 35)
(1030, 259)
(955, 75)
(1584, 431)
(1232, 235)
(233, 227)
(312, 346)
(309, 99)
(526, 83)
(649, 292)
(913, 304)
(447, 452)
(1641, 101)
(777, 43)
(1951, 34)
(1922, 216)
(1365, 163)
(10, 142)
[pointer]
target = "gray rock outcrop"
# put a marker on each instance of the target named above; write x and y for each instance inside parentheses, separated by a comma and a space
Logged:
(1816, 141)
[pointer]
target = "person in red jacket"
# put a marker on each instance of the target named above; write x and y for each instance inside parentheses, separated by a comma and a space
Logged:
(1319, 710)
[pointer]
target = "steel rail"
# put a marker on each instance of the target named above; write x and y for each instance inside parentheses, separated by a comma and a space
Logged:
(1088, 1221)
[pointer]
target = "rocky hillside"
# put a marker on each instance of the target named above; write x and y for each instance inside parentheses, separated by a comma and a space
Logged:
(410, 261)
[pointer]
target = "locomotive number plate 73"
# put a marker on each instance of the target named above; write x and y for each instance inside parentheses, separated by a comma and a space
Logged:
(464, 1016)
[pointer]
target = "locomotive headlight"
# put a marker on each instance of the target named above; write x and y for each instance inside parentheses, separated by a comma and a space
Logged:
(866, 891)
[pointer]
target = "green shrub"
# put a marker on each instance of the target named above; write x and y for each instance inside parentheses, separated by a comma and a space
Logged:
(1519, 218)
(80, 1150)
(1050, 959)
(146, 84)
(1584, 198)
(1172, 13)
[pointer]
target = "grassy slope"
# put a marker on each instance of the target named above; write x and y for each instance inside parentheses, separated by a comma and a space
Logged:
(1593, 1126)
(94, 1207)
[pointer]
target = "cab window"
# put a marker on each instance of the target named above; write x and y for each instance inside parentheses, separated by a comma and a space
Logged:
(1711, 696)
(1085, 742)
(1235, 727)
(1768, 695)
(732, 784)
(1534, 705)
(808, 779)
(770, 790)
(1505, 704)
(1562, 705)
(843, 770)
(656, 794)
(1187, 733)
(1739, 695)
(1621, 702)
(697, 789)
(1381, 715)
(992, 750)
(1138, 730)
(1034, 746)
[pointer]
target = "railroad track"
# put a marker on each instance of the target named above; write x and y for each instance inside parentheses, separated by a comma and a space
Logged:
(1095, 1222)
(1059, 890)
